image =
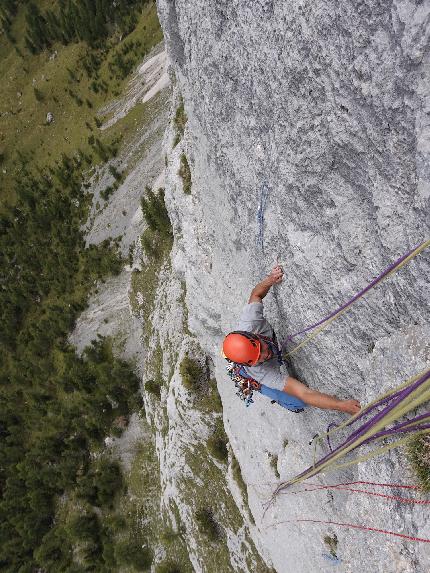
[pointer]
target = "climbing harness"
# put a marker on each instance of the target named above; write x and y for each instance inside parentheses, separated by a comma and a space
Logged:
(327, 320)
(249, 343)
(246, 385)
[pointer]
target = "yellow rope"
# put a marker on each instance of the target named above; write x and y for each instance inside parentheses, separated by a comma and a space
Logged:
(419, 396)
(376, 452)
(325, 324)
(411, 380)
(415, 399)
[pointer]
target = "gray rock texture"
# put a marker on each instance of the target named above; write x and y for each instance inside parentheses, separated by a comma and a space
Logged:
(317, 115)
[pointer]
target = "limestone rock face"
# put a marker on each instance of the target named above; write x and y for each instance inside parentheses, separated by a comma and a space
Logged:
(308, 140)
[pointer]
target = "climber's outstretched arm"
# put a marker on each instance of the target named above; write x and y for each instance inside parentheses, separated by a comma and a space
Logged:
(319, 399)
(260, 290)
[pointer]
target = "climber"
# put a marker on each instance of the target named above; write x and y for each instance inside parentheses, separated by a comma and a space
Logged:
(254, 346)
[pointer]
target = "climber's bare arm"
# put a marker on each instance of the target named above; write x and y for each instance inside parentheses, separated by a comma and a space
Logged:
(260, 290)
(318, 399)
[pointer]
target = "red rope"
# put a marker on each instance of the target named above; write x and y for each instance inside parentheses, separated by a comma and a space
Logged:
(371, 483)
(355, 526)
(393, 497)
(318, 487)
(271, 484)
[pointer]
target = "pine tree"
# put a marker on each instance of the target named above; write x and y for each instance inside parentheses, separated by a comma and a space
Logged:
(53, 28)
(36, 28)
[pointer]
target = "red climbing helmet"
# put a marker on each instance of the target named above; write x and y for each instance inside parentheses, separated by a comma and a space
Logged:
(242, 347)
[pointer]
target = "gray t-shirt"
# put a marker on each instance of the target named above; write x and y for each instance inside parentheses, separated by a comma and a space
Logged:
(268, 373)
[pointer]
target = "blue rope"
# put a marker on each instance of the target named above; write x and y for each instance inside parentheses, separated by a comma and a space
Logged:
(260, 215)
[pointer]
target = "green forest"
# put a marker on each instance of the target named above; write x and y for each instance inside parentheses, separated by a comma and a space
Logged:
(71, 21)
(57, 407)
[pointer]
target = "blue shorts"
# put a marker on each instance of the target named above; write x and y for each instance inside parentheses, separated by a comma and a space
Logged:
(283, 399)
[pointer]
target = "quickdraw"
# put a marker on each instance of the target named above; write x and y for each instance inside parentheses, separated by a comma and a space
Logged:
(260, 215)
(245, 384)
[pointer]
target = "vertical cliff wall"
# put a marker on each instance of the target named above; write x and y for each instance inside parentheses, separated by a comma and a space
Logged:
(316, 116)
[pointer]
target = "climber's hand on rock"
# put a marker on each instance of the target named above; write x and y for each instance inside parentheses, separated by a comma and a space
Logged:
(350, 406)
(260, 290)
(276, 275)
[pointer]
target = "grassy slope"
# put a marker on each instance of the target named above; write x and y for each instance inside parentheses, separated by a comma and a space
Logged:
(23, 119)
(143, 481)
(143, 499)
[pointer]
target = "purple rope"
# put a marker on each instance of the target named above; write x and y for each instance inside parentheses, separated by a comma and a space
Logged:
(402, 395)
(354, 298)
(403, 427)
(379, 403)
(387, 433)
(376, 405)
(355, 435)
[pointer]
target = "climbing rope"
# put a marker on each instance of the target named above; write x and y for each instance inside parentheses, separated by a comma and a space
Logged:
(346, 487)
(326, 321)
(384, 398)
(416, 422)
(391, 408)
(264, 193)
(353, 526)
(374, 483)
(414, 393)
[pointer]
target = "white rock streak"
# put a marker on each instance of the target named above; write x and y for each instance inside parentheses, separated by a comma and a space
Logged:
(150, 78)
